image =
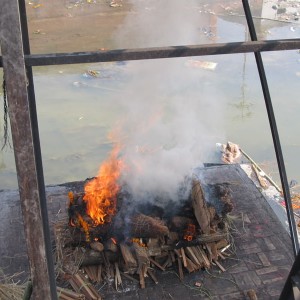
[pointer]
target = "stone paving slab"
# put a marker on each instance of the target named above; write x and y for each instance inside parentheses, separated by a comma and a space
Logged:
(263, 251)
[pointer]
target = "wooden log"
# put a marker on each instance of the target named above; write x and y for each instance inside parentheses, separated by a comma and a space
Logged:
(97, 246)
(85, 287)
(141, 254)
(69, 293)
(198, 255)
(192, 256)
(142, 277)
(203, 239)
(92, 257)
(213, 250)
(89, 271)
(130, 261)
(201, 211)
(190, 266)
(205, 259)
(183, 257)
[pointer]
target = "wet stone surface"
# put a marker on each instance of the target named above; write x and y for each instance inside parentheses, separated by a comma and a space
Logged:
(261, 260)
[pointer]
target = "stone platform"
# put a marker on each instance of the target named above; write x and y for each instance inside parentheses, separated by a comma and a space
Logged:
(262, 247)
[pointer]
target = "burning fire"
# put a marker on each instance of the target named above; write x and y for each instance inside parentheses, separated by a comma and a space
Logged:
(101, 192)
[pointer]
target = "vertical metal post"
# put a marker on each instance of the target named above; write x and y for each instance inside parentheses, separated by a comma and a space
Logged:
(37, 149)
(275, 135)
(29, 179)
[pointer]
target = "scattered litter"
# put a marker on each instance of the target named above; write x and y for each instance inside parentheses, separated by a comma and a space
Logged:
(230, 152)
(198, 284)
(281, 10)
(208, 65)
(92, 73)
(293, 29)
(37, 5)
(80, 118)
(79, 84)
(293, 183)
(60, 72)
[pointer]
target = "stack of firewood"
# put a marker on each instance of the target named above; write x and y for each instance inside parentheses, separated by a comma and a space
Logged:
(186, 244)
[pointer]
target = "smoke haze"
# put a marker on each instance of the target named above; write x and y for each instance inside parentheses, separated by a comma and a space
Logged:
(171, 116)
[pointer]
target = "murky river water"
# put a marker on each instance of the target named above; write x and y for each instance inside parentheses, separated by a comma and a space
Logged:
(77, 110)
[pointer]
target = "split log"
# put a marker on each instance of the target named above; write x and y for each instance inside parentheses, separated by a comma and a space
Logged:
(192, 256)
(201, 211)
(190, 266)
(141, 254)
(130, 261)
(79, 283)
(204, 257)
(203, 239)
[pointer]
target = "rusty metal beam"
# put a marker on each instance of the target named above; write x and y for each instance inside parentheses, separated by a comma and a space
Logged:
(160, 52)
(29, 180)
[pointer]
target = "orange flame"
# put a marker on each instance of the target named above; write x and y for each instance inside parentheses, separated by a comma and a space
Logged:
(101, 192)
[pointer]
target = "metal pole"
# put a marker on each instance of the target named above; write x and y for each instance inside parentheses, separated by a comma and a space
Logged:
(37, 151)
(29, 178)
(275, 135)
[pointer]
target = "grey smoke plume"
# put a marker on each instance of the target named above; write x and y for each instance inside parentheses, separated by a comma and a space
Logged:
(171, 117)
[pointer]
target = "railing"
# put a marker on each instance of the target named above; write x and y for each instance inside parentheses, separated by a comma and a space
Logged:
(17, 62)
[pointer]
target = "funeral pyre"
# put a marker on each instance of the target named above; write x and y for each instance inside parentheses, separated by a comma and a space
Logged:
(109, 236)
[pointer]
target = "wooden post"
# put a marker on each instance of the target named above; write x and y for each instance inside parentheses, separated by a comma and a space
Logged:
(31, 183)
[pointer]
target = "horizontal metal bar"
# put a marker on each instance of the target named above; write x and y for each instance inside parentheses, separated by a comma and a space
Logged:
(160, 52)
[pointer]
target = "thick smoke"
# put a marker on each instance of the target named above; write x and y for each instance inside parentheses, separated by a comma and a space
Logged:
(170, 115)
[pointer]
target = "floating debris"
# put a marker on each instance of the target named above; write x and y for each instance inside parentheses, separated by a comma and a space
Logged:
(114, 4)
(92, 73)
(208, 65)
